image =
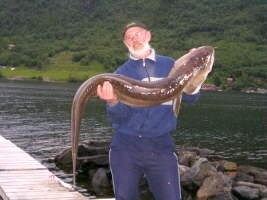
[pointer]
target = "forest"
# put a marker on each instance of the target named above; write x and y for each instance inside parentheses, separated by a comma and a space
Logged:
(72, 40)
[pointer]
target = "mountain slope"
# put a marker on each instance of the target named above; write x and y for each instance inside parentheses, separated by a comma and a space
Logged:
(90, 31)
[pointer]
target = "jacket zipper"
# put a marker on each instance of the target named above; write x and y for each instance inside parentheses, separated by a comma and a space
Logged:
(144, 65)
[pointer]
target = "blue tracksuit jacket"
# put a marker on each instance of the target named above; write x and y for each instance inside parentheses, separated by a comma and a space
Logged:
(151, 123)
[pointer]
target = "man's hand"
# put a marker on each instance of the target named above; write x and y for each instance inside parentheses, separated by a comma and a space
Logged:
(106, 93)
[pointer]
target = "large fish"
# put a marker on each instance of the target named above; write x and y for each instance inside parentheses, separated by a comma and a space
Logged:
(187, 75)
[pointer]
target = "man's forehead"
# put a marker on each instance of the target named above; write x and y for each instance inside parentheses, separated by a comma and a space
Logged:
(134, 29)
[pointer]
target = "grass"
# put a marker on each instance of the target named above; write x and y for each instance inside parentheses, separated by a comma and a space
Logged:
(60, 68)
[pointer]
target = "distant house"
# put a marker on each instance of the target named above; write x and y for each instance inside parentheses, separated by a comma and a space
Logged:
(210, 87)
(11, 46)
(230, 80)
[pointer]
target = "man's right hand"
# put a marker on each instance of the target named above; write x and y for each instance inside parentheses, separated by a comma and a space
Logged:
(106, 93)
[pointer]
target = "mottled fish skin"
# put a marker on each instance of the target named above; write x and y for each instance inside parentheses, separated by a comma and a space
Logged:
(187, 75)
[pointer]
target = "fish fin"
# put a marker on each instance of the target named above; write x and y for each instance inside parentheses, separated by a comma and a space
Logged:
(177, 104)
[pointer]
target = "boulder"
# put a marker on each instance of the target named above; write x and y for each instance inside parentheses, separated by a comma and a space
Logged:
(187, 158)
(261, 178)
(253, 186)
(263, 193)
(98, 160)
(213, 185)
(201, 170)
(259, 174)
(63, 160)
(101, 183)
(186, 178)
(245, 192)
(202, 152)
(225, 166)
(240, 176)
(223, 196)
(229, 166)
(92, 153)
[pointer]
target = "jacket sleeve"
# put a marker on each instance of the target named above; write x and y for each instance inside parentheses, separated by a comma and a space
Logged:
(190, 98)
(118, 112)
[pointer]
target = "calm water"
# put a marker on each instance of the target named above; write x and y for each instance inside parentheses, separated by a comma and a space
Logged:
(36, 117)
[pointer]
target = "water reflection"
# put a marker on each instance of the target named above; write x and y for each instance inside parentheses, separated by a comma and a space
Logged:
(234, 124)
(36, 116)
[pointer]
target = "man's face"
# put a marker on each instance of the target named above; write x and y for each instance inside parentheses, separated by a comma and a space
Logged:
(137, 40)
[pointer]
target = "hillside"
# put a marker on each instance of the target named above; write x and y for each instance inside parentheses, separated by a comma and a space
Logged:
(77, 39)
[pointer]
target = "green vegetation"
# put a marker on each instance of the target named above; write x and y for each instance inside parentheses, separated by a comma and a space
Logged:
(72, 40)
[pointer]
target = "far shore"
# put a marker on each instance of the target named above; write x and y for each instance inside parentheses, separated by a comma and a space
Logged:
(206, 87)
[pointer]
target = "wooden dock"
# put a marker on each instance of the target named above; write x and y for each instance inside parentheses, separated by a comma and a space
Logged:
(24, 178)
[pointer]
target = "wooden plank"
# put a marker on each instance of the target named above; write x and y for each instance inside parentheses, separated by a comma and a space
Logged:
(14, 158)
(24, 178)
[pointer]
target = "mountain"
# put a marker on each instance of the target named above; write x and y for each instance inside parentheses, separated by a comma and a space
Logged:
(35, 33)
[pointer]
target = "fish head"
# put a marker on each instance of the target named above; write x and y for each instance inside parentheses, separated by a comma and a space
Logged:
(191, 70)
(195, 60)
(202, 57)
(200, 65)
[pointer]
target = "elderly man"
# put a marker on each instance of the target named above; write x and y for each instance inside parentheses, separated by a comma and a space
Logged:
(142, 145)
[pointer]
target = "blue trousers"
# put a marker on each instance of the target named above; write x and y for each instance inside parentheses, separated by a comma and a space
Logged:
(159, 168)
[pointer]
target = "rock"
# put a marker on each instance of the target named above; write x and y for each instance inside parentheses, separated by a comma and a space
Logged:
(223, 196)
(186, 177)
(186, 195)
(91, 173)
(240, 176)
(205, 152)
(263, 193)
(218, 165)
(224, 165)
(63, 160)
(183, 169)
(202, 169)
(96, 160)
(214, 185)
(100, 182)
(100, 143)
(200, 152)
(246, 192)
(250, 169)
(261, 188)
(261, 178)
(259, 174)
(253, 185)
(93, 148)
(187, 158)
(230, 174)
(229, 166)
(92, 152)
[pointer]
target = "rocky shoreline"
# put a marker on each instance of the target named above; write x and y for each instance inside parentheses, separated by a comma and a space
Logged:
(204, 175)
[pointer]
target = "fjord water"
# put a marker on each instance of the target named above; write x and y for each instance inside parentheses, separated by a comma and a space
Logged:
(36, 117)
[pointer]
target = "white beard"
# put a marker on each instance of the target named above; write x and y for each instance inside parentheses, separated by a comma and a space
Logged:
(140, 53)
